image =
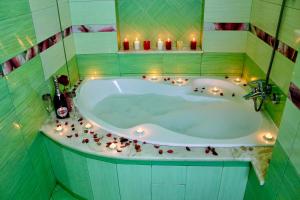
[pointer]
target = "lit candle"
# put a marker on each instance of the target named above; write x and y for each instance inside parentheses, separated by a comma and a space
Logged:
(88, 126)
(168, 44)
(193, 44)
(126, 44)
(160, 44)
(112, 146)
(215, 90)
(140, 131)
(237, 80)
(179, 45)
(136, 44)
(179, 81)
(268, 137)
(59, 129)
(147, 45)
(154, 78)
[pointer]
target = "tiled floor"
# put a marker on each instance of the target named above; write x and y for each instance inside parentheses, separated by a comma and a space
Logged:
(60, 194)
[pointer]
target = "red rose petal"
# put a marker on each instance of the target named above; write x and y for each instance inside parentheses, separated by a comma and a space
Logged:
(96, 139)
(69, 136)
(108, 135)
(170, 151)
(135, 141)
(160, 151)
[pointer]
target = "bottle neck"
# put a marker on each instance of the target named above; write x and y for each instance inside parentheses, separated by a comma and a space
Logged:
(57, 91)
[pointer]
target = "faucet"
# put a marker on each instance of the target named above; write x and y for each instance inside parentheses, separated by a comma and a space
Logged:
(259, 89)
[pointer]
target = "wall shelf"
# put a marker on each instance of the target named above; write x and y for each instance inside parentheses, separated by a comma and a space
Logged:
(198, 51)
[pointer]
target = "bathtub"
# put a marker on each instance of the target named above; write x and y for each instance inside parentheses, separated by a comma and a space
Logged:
(194, 113)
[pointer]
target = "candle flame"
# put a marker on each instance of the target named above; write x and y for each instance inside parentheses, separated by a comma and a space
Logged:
(125, 40)
(194, 39)
(168, 39)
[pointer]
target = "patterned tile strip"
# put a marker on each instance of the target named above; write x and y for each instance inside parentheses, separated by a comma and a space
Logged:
(93, 28)
(294, 94)
(19, 60)
(208, 26)
(283, 48)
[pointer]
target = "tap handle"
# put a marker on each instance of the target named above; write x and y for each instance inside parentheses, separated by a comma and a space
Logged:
(259, 83)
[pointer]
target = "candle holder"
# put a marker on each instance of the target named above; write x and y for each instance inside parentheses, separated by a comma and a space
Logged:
(268, 137)
(59, 129)
(179, 45)
(160, 45)
(48, 102)
(136, 44)
(88, 126)
(193, 44)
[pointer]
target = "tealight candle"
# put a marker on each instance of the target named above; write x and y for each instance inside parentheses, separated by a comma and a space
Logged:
(112, 146)
(215, 90)
(168, 44)
(88, 126)
(193, 44)
(179, 45)
(59, 129)
(147, 45)
(160, 44)
(136, 44)
(140, 131)
(126, 44)
(237, 80)
(154, 78)
(268, 137)
(179, 81)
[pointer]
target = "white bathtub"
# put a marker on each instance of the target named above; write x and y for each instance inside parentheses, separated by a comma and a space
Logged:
(175, 115)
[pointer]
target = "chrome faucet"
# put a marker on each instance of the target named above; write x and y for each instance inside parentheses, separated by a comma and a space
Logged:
(259, 89)
(259, 93)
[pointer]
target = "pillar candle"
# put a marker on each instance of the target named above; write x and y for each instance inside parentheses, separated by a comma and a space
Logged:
(179, 45)
(136, 44)
(160, 44)
(193, 44)
(126, 44)
(168, 44)
(147, 45)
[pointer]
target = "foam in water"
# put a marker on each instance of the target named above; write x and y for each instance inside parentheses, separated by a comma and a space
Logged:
(208, 119)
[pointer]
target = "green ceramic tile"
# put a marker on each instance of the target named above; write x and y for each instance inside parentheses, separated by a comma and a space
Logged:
(296, 73)
(93, 12)
(234, 180)
(141, 63)
(70, 48)
(290, 187)
(168, 191)
(37, 5)
(46, 23)
(10, 9)
(294, 157)
(182, 63)
(137, 185)
(78, 176)
(104, 179)
(98, 64)
(60, 194)
(73, 70)
(53, 59)
(16, 35)
(289, 26)
(282, 67)
(289, 126)
(57, 162)
(251, 70)
(265, 15)
(227, 11)
(203, 182)
(99, 42)
(222, 63)
(259, 52)
(176, 19)
(173, 175)
(225, 41)
(65, 13)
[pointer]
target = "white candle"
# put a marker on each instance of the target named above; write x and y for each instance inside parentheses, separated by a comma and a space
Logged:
(268, 136)
(140, 131)
(215, 90)
(136, 44)
(59, 129)
(237, 80)
(179, 81)
(160, 44)
(154, 78)
(179, 45)
(88, 126)
(112, 146)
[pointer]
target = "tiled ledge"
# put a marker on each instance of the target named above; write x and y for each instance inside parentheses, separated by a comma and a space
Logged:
(98, 140)
(198, 51)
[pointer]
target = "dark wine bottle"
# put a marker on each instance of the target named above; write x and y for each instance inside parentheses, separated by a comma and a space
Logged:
(60, 103)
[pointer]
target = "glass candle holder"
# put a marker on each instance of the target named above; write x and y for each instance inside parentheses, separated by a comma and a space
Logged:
(48, 102)
(147, 45)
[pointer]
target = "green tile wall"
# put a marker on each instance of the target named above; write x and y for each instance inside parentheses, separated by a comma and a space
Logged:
(160, 19)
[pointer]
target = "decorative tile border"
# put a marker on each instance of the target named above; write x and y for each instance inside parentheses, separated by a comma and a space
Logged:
(209, 26)
(283, 48)
(294, 94)
(93, 28)
(19, 60)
